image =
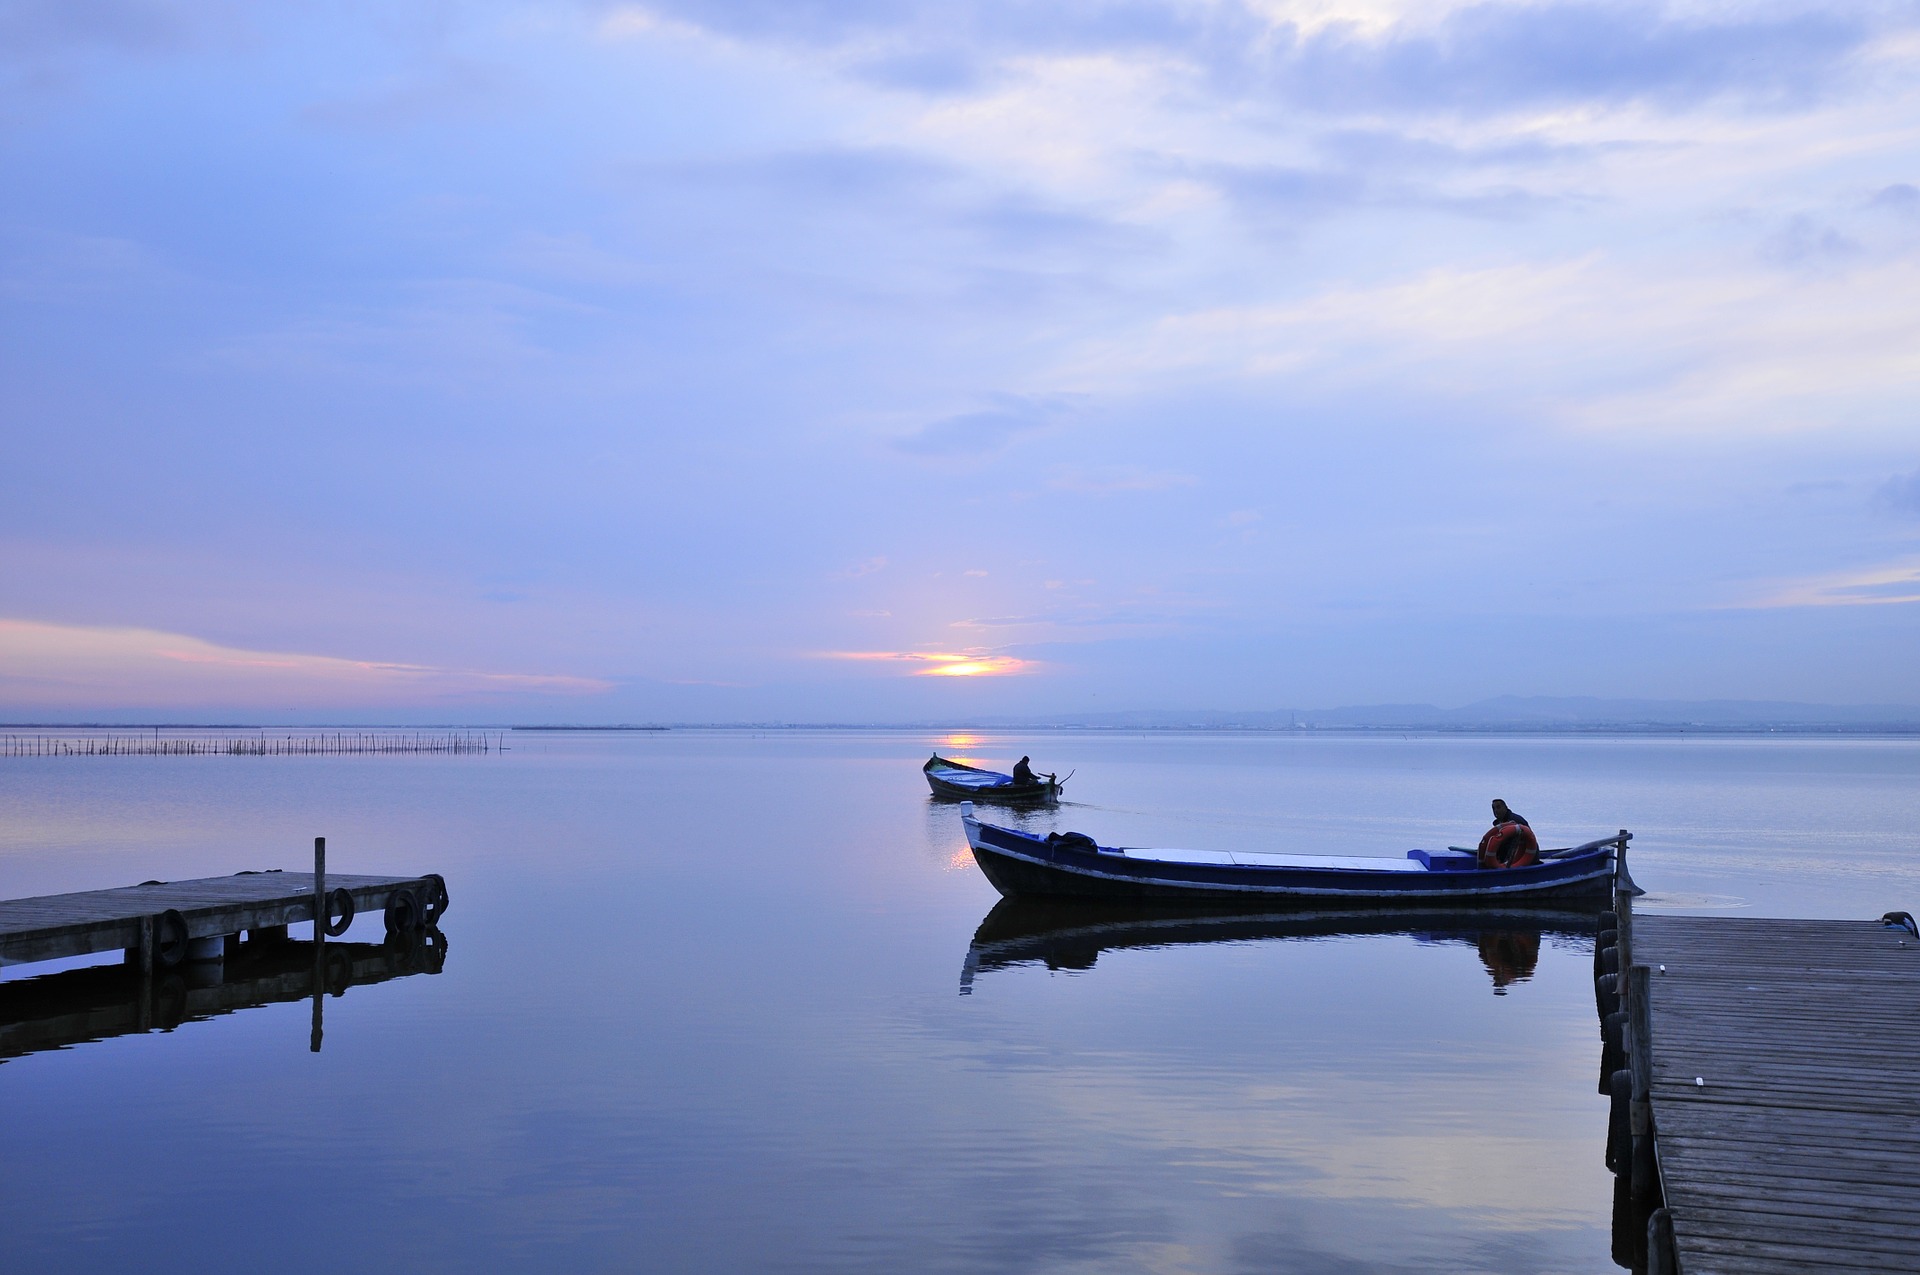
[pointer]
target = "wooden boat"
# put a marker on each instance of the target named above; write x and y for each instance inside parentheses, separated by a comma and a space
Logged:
(1019, 863)
(958, 781)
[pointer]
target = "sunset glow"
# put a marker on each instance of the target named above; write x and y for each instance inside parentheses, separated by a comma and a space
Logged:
(988, 666)
(947, 663)
(66, 663)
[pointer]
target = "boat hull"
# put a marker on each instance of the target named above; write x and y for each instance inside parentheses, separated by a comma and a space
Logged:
(986, 785)
(1019, 864)
(1006, 793)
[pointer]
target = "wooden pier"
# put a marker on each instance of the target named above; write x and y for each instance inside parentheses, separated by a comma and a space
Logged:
(167, 922)
(1766, 1085)
(179, 937)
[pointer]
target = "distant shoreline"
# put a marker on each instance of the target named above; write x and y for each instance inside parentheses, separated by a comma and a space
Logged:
(1169, 724)
(596, 728)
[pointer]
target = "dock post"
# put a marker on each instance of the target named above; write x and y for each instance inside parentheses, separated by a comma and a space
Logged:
(1623, 892)
(1640, 1063)
(319, 888)
(146, 973)
(319, 938)
(1660, 1243)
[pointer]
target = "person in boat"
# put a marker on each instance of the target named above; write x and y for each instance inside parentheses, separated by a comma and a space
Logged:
(1510, 843)
(1023, 774)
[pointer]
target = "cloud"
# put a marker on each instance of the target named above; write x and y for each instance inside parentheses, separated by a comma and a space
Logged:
(865, 567)
(454, 90)
(972, 663)
(1501, 57)
(1901, 494)
(143, 26)
(1804, 241)
(837, 173)
(1595, 343)
(930, 71)
(58, 665)
(1482, 57)
(1890, 584)
(1115, 479)
(988, 430)
(1901, 197)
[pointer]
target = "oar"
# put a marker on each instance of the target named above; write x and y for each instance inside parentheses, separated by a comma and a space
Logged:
(1583, 848)
(1617, 839)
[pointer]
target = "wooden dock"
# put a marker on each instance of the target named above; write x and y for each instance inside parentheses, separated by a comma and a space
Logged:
(172, 921)
(1767, 1112)
(1786, 1091)
(179, 937)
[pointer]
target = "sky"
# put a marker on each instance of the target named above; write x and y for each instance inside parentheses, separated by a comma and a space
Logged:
(889, 360)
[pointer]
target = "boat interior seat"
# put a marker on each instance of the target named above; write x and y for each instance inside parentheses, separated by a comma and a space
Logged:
(1452, 859)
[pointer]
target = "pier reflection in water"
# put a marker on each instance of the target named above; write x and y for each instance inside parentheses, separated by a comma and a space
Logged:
(77, 1006)
(1071, 934)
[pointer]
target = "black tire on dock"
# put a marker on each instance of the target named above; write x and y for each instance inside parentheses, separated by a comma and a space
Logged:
(170, 938)
(436, 900)
(403, 912)
(340, 903)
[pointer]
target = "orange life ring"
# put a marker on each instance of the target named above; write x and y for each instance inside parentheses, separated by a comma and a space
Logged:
(1509, 845)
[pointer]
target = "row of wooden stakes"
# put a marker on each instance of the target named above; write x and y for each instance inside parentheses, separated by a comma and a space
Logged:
(338, 743)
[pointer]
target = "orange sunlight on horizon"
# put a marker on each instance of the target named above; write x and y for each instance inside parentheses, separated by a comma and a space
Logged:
(975, 666)
(947, 663)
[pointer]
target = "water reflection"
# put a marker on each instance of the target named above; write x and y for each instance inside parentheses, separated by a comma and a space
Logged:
(1066, 934)
(72, 1007)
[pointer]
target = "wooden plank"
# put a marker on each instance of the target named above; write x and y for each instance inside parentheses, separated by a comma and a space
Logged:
(1715, 1255)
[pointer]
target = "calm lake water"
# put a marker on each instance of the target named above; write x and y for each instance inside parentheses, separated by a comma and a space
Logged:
(713, 1001)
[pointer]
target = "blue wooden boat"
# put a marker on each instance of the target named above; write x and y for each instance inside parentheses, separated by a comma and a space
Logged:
(1020, 863)
(958, 781)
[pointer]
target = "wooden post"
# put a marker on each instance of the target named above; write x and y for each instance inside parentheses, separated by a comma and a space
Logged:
(1640, 1063)
(1660, 1255)
(319, 938)
(1619, 1130)
(1623, 907)
(319, 888)
(146, 973)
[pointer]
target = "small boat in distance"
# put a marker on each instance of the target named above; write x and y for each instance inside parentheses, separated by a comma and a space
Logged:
(957, 781)
(1020, 863)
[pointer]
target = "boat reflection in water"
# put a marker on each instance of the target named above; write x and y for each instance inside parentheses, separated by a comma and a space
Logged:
(1068, 934)
(72, 1007)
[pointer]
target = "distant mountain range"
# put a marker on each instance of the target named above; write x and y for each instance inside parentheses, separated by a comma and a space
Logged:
(1514, 712)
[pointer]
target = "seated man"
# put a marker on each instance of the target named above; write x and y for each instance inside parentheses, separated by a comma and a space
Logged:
(1510, 843)
(1501, 814)
(1023, 774)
